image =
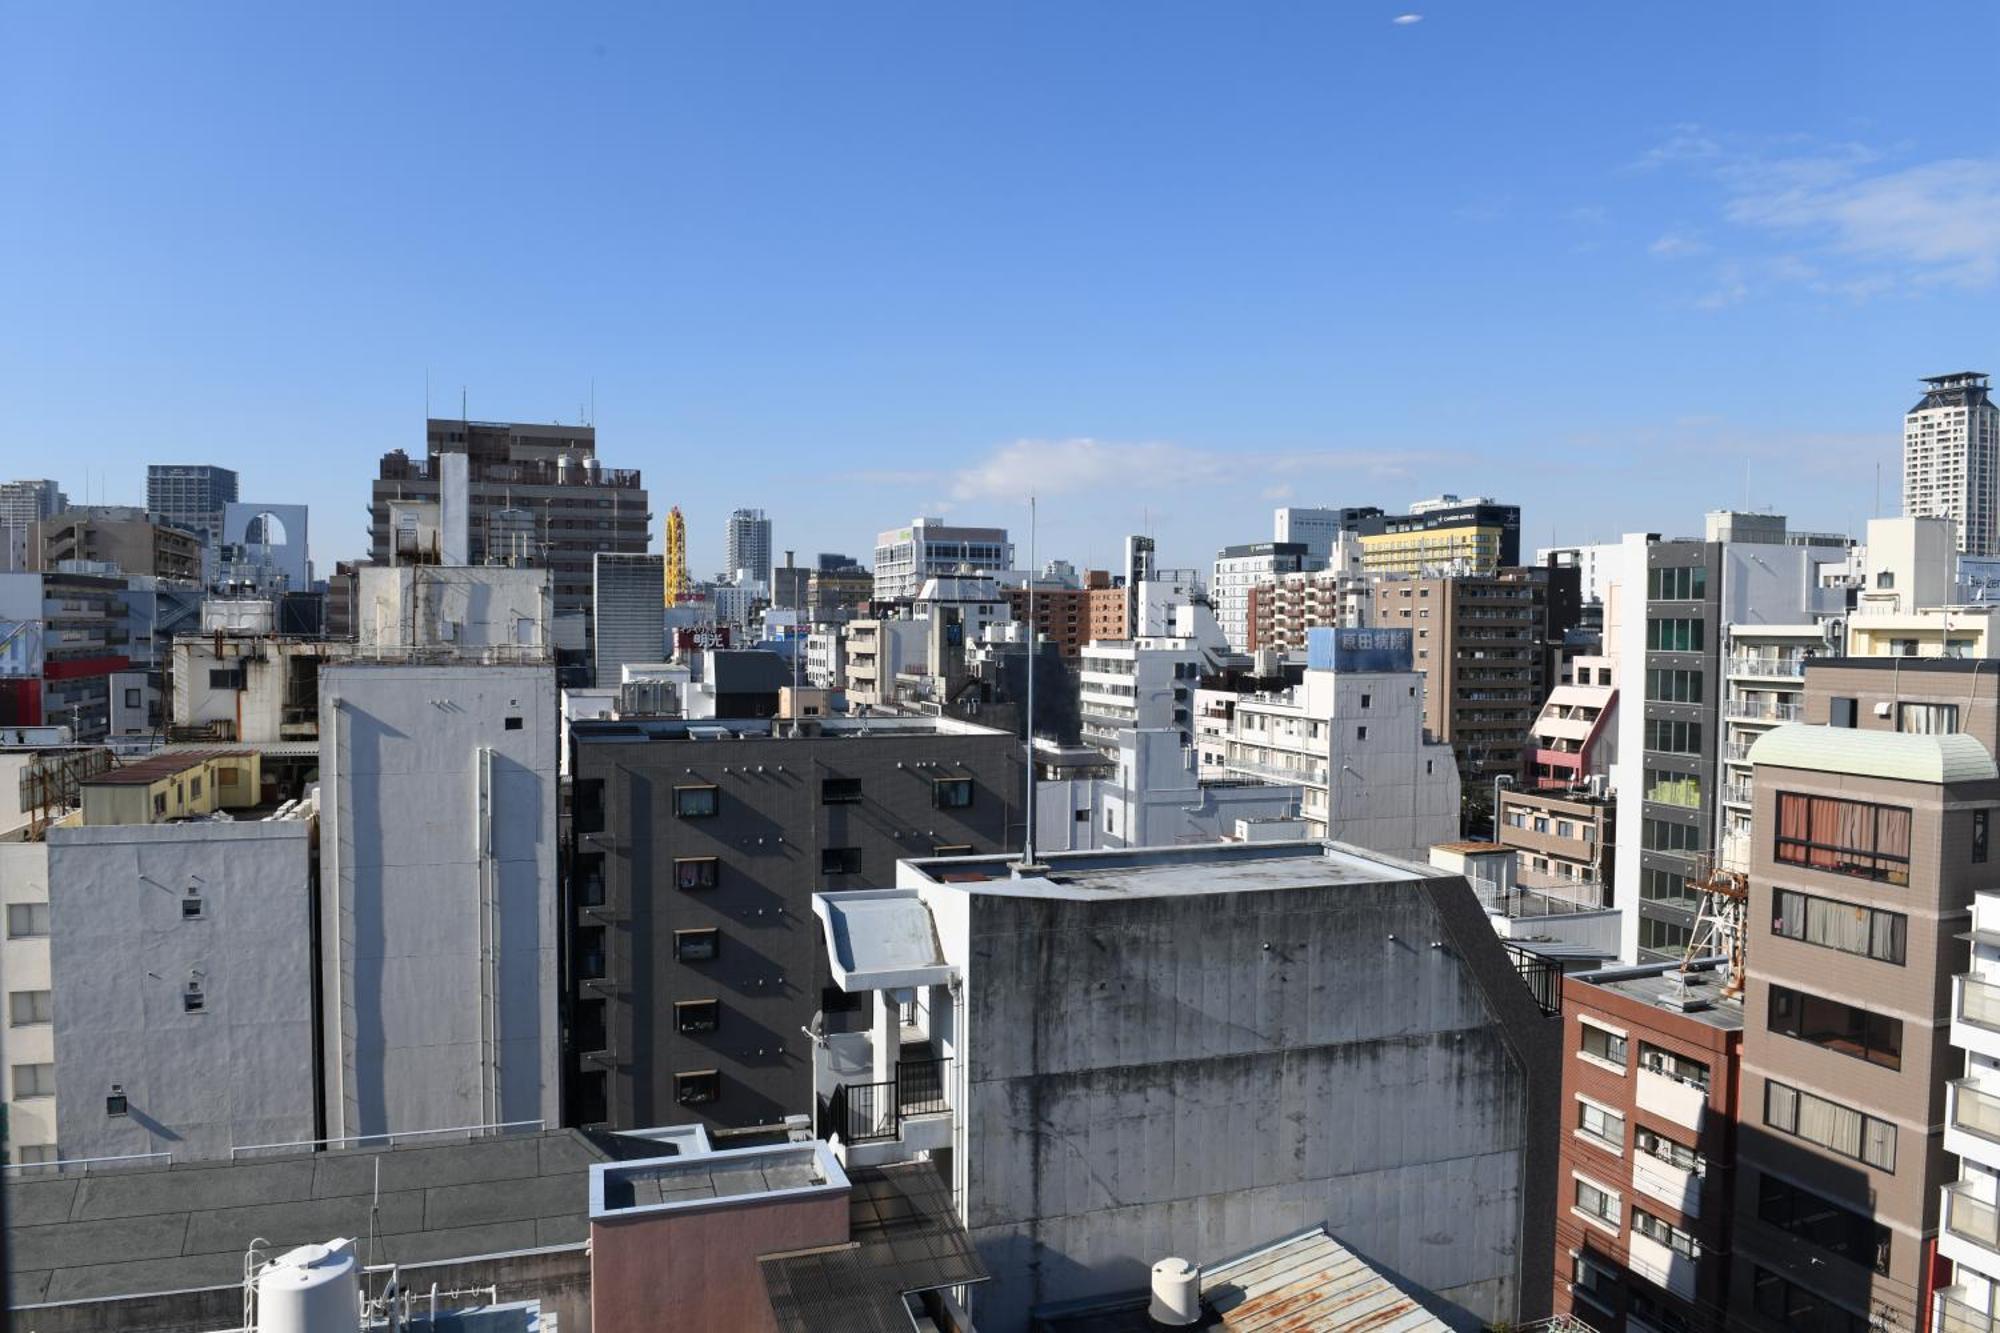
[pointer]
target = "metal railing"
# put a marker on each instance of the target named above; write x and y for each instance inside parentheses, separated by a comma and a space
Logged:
(1974, 1110)
(868, 1112)
(447, 654)
(1543, 976)
(1761, 710)
(388, 1140)
(1971, 1219)
(1955, 1316)
(1751, 664)
(82, 1165)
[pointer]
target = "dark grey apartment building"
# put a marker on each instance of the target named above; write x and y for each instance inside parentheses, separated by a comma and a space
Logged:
(695, 966)
(190, 496)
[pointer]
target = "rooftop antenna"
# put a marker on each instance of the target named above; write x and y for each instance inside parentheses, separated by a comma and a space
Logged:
(1028, 843)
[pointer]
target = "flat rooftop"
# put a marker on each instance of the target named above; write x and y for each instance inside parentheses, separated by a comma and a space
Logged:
(638, 730)
(709, 1178)
(1662, 990)
(1161, 872)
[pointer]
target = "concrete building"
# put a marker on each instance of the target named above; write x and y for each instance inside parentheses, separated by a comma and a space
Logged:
(1318, 529)
(695, 850)
(28, 1078)
(835, 594)
(1763, 686)
(1951, 459)
(496, 612)
(1352, 737)
(255, 688)
(1645, 1203)
(1153, 796)
(1574, 739)
(1280, 1005)
(1440, 537)
(438, 895)
(1284, 609)
(906, 558)
(62, 637)
(265, 548)
(191, 496)
(116, 535)
(26, 503)
(876, 652)
(629, 607)
(746, 540)
(826, 659)
(1866, 849)
(574, 505)
(1238, 569)
(1138, 683)
(181, 955)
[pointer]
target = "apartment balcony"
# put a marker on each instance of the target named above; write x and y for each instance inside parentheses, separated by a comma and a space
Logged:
(1970, 1234)
(1975, 1015)
(1684, 1103)
(1952, 1312)
(1768, 668)
(1734, 853)
(1673, 1185)
(1736, 793)
(1738, 752)
(1666, 1268)
(1972, 1123)
(1762, 710)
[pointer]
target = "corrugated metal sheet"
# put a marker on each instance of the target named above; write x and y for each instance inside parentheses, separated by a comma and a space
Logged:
(1311, 1284)
(1901, 756)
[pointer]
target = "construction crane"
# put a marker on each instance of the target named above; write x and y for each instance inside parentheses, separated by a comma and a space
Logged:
(1720, 920)
(677, 565)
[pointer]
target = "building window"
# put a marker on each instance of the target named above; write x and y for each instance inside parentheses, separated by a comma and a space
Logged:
(1820, 1221)
(1841, 711)
(1603, 1044)
(1674, 636)
(1876, 1038)
(512, 724)
(695, 872)
(701, 1085)
(1844, 837)
(131, 698)
(839, 791)
(1927, 719)
(1837, 1128)
(952, 849)
(1659, 835)
(159, 803)
(1681, 789)
(225, 678)
(1867, 932)
(34, 1081)
(1659, 1060)
(1670, 737)
(840, 860)
(27, 920)
(1670, 685)
(1666, 886)
(951, 793)
(192, 908)
(1980, 822)
(697, 946)
(1361, 733)
(1596, 1202)
(1681, 584)
(29, 1008)
(116, 1103)
(1666, 1233)
(1602, 1124)
(696, 1015)
(1656, 1145)
(696, 802)
(590, 959)
(1800, 1309)
(193, 999)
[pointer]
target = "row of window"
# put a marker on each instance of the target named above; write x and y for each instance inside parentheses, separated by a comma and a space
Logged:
(1601, 1204)
(1612, 1048)
(1844, 837)
(704, 802)
(1659, 835)
(1675, 635)
(1668, 736)
(1867, 932)
(1837, 1128)
(1671, 685)
(1876, 1038)
(1687, 583)
(1820, 1221)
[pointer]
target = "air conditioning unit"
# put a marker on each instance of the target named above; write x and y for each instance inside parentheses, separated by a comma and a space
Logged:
(1882, 708)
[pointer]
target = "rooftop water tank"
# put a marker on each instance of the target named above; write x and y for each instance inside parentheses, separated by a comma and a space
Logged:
(1176, 1294)
(313, 1289)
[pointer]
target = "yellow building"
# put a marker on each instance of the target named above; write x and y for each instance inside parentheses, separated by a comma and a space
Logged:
(1955, 631)
(174, 785)
(1445, 535)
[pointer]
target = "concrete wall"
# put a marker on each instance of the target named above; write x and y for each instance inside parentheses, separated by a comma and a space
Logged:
(410, 852)
(122, 953)
(1202, 1074)
(485, 606)
(24, 966)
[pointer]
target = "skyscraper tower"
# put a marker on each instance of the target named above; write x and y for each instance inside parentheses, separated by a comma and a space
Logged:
(191, 496)
(748, 544)
(1951, 459)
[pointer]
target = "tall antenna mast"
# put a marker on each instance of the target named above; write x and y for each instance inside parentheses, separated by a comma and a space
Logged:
(1028, 849)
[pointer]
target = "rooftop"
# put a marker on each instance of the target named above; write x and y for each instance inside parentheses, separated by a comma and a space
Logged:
(708, 1178)
(1895, 755)
(1659, 985)
(1159, 872)
(164, 764)
(633, 730)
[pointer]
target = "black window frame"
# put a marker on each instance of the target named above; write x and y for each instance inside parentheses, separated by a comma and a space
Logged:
(697, 882)
(840, 791)
(702, 1015)
(697, 1087)
(1867, 863)
(939, 786)
(840, 860)
(1861, 1149)
(1897, 926)
(688, 939)
(1861, 1034)
(683, 793)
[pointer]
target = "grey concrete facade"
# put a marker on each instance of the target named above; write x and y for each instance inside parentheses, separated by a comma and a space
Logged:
(181, 962)
(438, 865)
(793, 815)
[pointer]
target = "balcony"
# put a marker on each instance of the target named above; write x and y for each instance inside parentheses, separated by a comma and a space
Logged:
(1952, 1314)
(1975, 1015)
(1971, 1231)
(1762, 710)
(1753, 664)
(1664, 1095)
(1972, 1123)
(1736, 793)
(1666, 1268)
(1673, 1185)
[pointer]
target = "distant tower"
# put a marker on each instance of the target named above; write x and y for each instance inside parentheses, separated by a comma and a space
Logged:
(1951, 459)
(677, 565)
(747, 545)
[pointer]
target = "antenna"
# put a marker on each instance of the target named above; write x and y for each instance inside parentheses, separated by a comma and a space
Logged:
(1028, 845)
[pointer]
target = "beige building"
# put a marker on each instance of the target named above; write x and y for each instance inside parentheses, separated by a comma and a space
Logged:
(115, 535)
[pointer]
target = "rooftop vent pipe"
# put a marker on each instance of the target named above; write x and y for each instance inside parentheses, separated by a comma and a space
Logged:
(1176, 1294)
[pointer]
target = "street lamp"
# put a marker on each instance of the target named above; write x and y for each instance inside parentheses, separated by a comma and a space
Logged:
(1499, 780)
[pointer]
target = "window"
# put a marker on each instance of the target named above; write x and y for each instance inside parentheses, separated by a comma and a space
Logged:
(228, 775)
(131, 698)
(1674, 636)
(1656, 1145)
(1364, 701)
(512, 724)
(1800, 1309)
(191, 908)
(1083, 816)
(1361, 733)
(696, 1015)
(1876, 1038)
(840, 860)
(695, 872)
(952, 849)
(1687, 583)
(1927, 719)
(1665, 1232)
(1820, 1221)
(839, 791)
(1841, 711)
(1603, 1044)
(1679, 1068)
(34, 1081)
(225, 678)
(159, 803)
(701, 1085)
(590, 958)
(1837, 1128)
(587, 805)
(116, 1103)
(1601, 1123)
(27, 920)
(695, 802)
(697, 946)
(951, 793)
(1865, 931)
(1596, 1203)
(1666, 886)
(1658, 835)
(28, 1008)
(194, 789)
(193, 999)
(1844, 837)
(1670, 737)
(1669, 685)
(1980, 828)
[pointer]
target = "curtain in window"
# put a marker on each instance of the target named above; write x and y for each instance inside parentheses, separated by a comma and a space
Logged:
(1878, 1147)
(1836, 1127)
(1892, 832)
(1792, 817)
(1837, 925)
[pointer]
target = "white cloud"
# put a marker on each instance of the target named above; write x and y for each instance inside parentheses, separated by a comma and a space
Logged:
(1677, 245)
(1405, 20)
(1059, 467)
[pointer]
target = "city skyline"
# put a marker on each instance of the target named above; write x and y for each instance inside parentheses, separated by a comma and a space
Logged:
(1752, 246)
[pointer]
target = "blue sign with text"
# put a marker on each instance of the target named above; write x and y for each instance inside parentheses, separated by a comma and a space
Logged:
(1358, 649)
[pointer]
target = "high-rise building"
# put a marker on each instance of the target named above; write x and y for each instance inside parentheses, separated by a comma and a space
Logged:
(1238, 569)
(747, 545)
(25, 502)
(1443, 535)
(905, 558)
(546, 477)
(1318, 529)
(191, 496)
(1951, 459)
(631, 613)
(120, 535)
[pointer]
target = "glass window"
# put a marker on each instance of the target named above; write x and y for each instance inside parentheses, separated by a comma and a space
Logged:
(839, 791)
(1800, 1309)
(1679, 1068)
(840, 860)
(1820, 1221)
(695, 872)
(1669, 736)
(1666, 886)
(1927, 719)
(696, 1015)
(1837, 1128)
(1844, 837)
(1656, 1145)
(1665, 1232)
(1687, 583)
(1672, 685)
(1876, 1038)
(1865, 931)
(1594, 1200)
(29, 1008)
(1604, 1045)
(701, 1085)
(1599, 1123)
(34, 1081)
(951, 793)
(697, 946)
(1675, 635)
(696, 802)
(1663, 937)
(1660, 835)
(26, 920)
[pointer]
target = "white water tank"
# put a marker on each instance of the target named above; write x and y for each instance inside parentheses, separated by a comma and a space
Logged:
(1176, 1294)
(313, 1289)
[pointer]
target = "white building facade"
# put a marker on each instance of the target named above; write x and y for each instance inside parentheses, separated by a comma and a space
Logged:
(928, 548)
(1951, 459)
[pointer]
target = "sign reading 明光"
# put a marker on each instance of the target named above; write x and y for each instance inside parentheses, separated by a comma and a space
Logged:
(1358, 649)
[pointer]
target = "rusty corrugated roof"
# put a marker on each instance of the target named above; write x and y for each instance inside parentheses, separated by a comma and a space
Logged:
(1311, 1284)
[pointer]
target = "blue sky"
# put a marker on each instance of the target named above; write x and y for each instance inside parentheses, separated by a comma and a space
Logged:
(1169, 264)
